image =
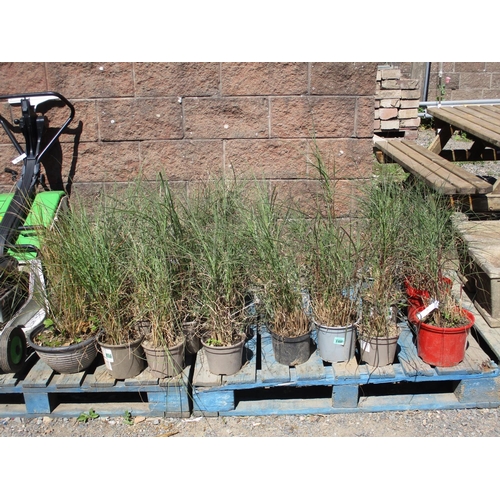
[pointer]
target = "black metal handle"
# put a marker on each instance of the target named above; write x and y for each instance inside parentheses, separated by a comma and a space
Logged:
(58, 133)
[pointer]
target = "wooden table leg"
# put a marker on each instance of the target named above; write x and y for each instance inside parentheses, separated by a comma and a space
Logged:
(443, 135)
(476, 150)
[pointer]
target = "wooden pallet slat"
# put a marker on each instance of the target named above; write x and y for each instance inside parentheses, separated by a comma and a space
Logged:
(349, 370)
(411, 363)
(8, 380)
(70, 380)
(312, 370)
(271, 371)
(39, 376)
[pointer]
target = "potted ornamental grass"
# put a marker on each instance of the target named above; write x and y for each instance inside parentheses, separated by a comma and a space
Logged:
(379, 326)
(98, 244)
(383, 230)
(216, 252)
(333, 259)
(430, 257)
(67, 339)
(430, 245)
(278, 275)
(334, 288)
(155, 232)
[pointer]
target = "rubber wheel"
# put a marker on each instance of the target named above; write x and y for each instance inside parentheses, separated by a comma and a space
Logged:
(13, 349)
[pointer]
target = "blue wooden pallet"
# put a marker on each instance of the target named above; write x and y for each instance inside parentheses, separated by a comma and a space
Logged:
(42, 392)
(265, 387)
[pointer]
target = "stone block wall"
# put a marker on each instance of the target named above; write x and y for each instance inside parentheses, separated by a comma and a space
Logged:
(193, 120)
(466, 80)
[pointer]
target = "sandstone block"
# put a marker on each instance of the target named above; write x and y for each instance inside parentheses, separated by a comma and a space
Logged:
(20, 78)
(77, 80)
(390, 103)
(408, 113)
(409, 103)
(268, 78)
(389, 94)
(342, 158)
(181, 79)
(181, 160)
(140, 119)
(271, 159)
(389, 125)
(388, 113)
(410, 94)
(412, 122)
(343, 78)
(103, 162)
(295, 117)
(220, 118)
(390, 74)
(409, 84)
(390, 84)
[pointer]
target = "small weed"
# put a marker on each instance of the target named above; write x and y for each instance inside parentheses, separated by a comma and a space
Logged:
(214, 342)
(127, 418)
(461, 136)
(391, 169)
(85, 417)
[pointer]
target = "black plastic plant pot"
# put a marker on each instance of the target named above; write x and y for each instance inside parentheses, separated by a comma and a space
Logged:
(292, 351)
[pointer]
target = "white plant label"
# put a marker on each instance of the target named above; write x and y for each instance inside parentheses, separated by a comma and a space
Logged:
(338, 340)
(108, 357)
(365, 346)
(422, 314)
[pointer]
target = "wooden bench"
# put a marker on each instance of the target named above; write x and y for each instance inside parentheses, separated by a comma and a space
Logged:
(444, 176)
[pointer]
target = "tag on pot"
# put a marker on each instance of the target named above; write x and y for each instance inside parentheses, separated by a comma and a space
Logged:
(422, 314)
(338, 340)
(365, 346)
(107, 354)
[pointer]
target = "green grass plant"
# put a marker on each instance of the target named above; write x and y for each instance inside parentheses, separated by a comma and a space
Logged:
(216, 253)
(332, 255)
(88, 278)
(278, 265)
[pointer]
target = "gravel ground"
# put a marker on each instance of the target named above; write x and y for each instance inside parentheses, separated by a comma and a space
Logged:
(438, 423)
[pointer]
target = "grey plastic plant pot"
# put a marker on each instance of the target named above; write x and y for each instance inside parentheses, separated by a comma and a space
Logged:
(378, 351)
(226, 360)
(66, 359)
(123, 361)
(165, 362)
(336, 344)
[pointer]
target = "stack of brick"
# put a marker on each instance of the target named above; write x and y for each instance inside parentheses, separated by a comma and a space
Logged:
(396, 104)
